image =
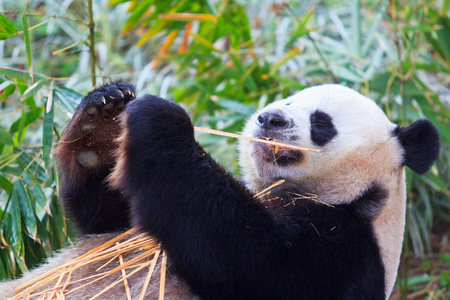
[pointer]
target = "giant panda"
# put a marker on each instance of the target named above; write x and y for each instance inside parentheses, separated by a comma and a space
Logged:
(332, 230)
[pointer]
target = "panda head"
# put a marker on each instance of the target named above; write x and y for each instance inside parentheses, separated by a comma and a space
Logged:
(357, 143)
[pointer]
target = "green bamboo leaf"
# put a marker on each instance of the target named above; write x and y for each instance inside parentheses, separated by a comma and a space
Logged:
(11, 170)
(138, 12)
(6, 89)
(371, 35)
(436, 182)
(15, 227)
(346, 74)
(33, 89)
(19, 259)
(300, 30)
(3, 273)
(18, 74)
(26, 119)
(7, 28)
(443, 34)
(116, 2)
(251, 84)
(6, 184)
(414, 280)
(42, 233)
(26, 209)
(47, 138)
(26, 37)
(31, 162)
(5, 137)
(35, 188)
(19, 127)
(69, 99)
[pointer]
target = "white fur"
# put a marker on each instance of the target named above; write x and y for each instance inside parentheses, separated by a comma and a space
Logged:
(363, 152)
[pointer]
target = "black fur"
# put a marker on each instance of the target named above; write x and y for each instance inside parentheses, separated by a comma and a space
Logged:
(85, 159)
(322, 128)
(223, 242)
(420, 140)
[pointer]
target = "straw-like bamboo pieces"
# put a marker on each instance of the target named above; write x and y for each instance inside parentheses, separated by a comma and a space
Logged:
(276, 144)
(57, 283)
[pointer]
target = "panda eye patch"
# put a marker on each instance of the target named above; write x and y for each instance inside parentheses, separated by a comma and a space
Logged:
(322, 128)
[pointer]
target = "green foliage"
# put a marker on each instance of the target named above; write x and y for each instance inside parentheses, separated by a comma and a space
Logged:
(222, 60)
(7, 28)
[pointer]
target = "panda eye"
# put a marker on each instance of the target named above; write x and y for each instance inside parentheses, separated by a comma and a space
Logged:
(320, 122)
(322, 128)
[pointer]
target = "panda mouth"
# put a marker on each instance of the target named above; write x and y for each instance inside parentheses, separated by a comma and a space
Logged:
(277, 155)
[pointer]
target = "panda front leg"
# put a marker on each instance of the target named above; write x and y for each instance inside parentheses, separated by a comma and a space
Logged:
(85, 159)
(218, 238)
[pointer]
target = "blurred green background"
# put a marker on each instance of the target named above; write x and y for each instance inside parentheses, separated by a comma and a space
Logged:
(222, 60)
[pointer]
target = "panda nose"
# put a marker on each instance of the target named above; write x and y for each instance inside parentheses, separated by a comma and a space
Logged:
(270, 121)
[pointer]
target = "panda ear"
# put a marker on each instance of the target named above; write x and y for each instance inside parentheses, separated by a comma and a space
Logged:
(420, 141)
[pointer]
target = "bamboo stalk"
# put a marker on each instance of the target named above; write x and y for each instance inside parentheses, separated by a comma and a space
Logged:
(124, 274)
(163, 276)
(120, 280)
(149, 275)
(249, 138)
(281, 181)
(92, 41)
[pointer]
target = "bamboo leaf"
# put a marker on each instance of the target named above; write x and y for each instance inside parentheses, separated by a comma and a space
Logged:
(33, 89)
(5, 137)
(291, 54)
(26, 37)
(7, 29)
(6, 89)
(47, 138)
(31, 162)
(138, 13)
(34, 187)
(26, 209)
(3, 273)
(26, 119)
(300, 30)
(116, 2)
(6, 184)
(16, 223)
(18, 74)
(69, 99)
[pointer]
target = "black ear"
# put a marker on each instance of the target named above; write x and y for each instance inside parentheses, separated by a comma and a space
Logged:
(420, 140)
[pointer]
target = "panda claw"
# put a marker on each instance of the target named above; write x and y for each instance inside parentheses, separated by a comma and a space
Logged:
(103, 100)
(120, 93)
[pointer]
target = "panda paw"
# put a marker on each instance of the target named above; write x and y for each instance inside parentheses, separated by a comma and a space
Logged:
(90, 137)
(104, 104)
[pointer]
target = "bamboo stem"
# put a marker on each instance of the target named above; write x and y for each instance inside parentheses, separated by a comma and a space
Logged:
(162, 282)
(149, 274)
(249, 138)
(92, 41)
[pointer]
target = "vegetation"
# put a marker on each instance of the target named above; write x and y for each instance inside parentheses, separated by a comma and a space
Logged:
(222, 60)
